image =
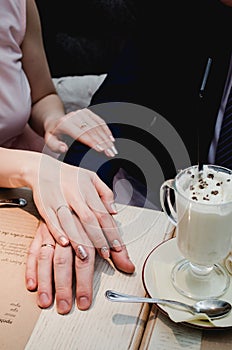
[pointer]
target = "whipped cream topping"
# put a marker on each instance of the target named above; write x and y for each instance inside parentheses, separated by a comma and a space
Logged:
(207, 186)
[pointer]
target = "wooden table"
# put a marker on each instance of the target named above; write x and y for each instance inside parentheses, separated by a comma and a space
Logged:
(105, 325)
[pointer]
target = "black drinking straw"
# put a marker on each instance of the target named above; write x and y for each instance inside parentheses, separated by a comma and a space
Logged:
(201, 95)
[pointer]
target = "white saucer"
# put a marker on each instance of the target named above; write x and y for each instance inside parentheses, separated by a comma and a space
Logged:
(157, 282)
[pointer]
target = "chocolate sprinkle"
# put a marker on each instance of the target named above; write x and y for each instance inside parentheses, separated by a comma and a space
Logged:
(214, 192)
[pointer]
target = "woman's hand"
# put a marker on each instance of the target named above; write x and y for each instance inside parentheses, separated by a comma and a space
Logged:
(74, 203)
(49, 264)
(64, 194)
(82, 125)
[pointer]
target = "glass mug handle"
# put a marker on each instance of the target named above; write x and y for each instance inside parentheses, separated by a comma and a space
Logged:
(165, 199)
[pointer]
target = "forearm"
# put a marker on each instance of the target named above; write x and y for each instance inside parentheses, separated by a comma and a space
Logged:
(19, 168)
(49, 107)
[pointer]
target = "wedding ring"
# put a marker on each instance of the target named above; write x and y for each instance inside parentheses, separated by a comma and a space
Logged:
(62, 206)
(83, 124)
(48, 245)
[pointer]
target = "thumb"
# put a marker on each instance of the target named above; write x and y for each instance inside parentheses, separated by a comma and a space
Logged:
(56, 145)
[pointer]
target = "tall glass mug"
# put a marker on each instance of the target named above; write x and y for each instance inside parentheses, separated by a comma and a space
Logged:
(199, 204)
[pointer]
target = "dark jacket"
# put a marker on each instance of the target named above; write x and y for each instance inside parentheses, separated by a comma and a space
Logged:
(162, 67)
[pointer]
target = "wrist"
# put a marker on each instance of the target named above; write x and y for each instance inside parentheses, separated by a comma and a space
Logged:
(20, 168)
(29, 169)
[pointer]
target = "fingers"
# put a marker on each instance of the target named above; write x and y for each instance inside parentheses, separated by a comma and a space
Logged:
(122, 260)
(53, 223)
(71, 225)
(84, 280)
(63, 267)
(31, 279)
(117, 249)
(85, 126)
(105, 193)
(107, 239)
(39, 266)
(45, 268)
(55, 144)
(98, 133)
(84, 271)
(104, 218)
(49, 268)
(93, 230)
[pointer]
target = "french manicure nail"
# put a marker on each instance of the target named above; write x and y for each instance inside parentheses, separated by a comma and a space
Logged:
(113, 207)
(99, 147)
(114, 150)
(105, 252)
(111, 153)
(64, 241)
(116, 245)
(112, 138)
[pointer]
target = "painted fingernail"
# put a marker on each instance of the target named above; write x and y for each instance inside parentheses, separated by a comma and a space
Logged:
(114, 150)
(110, 262)
(82, 252)
(116, 245)
(110, 152)
(105, 252)
(112, 138)
(113, 207)
(83, 303)
(99, 147)
(64, 241)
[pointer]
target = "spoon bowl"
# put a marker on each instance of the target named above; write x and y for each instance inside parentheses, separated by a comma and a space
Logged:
(213, 308)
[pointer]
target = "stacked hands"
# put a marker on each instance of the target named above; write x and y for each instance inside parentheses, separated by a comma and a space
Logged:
(76, 209)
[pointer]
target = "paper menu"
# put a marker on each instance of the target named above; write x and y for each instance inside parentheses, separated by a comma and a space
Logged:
(33, 329)
(18, 308)
(167, 335)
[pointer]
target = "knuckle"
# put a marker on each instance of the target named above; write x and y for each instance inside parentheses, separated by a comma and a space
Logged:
(87, 217)
(100, 241)
(61, 291)
(102, 216)
(60, 261)
(31, 253)
(45, 255)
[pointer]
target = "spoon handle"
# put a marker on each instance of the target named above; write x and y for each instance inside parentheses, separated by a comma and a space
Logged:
(126, 298)
(13, 202)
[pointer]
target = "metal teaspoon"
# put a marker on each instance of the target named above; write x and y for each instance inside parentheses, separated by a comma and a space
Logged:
(13, 202)
(214, 308)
